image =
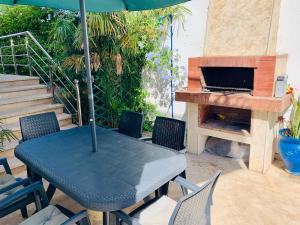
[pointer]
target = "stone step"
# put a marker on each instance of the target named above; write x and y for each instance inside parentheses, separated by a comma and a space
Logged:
(15, 164)
(16, 80)
(25, 101)
(13, 115)
(70, 126)
(63, 119)
(9, 149)
(19, 91)
(23, 96)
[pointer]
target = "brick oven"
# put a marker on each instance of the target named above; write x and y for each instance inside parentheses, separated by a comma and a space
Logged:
(241, 89)
(230, 92)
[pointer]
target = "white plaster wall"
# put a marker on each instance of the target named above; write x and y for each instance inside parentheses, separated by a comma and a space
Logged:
(289, 38)
(190, 41)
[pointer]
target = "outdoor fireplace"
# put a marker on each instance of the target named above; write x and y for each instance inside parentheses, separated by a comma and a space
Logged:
(232, 98)
(230, 91)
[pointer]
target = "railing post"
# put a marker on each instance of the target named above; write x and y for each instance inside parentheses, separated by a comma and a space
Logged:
(1, 60)
(51, 80)
(79, 113)
(13, 54)
(28, 56)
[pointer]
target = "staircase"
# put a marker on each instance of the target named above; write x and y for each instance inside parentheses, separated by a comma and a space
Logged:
(46, 89)
(22, 96)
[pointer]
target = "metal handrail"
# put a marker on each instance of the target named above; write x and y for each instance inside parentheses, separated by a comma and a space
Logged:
(42, 65)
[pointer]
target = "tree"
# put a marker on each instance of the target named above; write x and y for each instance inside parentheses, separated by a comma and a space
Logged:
(119, 44)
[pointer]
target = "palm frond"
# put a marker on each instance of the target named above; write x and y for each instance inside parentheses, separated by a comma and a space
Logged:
(75, 62)
(119, 67)
(5, 134)
(95, 61)
(103, 24)
(62, 30)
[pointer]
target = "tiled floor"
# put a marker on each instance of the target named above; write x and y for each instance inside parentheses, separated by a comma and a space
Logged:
(241, 197)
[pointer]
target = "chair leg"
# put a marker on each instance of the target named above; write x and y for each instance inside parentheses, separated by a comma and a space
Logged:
(50, 191)
(33, 176)
(183, 174)
(157, 193)
(24, 212)
(106, 218)
(184, 190)
(164, 190)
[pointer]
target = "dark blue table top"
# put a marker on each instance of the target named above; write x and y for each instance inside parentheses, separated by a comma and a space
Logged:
(122, 172)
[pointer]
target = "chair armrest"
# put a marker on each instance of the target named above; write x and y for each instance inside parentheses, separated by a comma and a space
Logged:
(30, 189)
(4, 163)
(126, 218)
(186, 184)
(145, 138)
(76, 218)
(19, 182)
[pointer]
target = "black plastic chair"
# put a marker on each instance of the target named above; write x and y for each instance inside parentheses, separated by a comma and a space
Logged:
(39, 125)
(8, 186)
(35, 126)
(45, 213)
(192, 208)
(131, 124)
(169, 133)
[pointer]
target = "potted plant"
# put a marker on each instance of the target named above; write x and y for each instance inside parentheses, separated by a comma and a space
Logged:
(289, 144)
(5, 134)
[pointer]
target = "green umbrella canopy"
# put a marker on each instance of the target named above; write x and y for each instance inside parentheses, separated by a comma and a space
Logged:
(98, 5)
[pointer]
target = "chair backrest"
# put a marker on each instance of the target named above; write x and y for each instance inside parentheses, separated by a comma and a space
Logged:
(131, 124)
(38, 125)
(194, 208)
(169, 133)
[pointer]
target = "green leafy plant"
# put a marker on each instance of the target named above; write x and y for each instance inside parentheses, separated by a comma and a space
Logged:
(295, 120)
(120, 44)
(292, 124)
(5, 134)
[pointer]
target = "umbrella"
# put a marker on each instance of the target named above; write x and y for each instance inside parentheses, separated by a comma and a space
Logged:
(94, 6)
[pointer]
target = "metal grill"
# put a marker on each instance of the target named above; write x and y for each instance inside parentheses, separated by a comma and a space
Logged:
(226, 89)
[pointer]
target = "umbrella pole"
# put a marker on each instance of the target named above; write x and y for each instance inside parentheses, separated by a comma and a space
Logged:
(88, 73)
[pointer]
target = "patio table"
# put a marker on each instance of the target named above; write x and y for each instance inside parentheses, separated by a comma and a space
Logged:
(121, 173)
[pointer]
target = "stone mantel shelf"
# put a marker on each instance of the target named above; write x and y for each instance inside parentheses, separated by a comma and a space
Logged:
(239, 100)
